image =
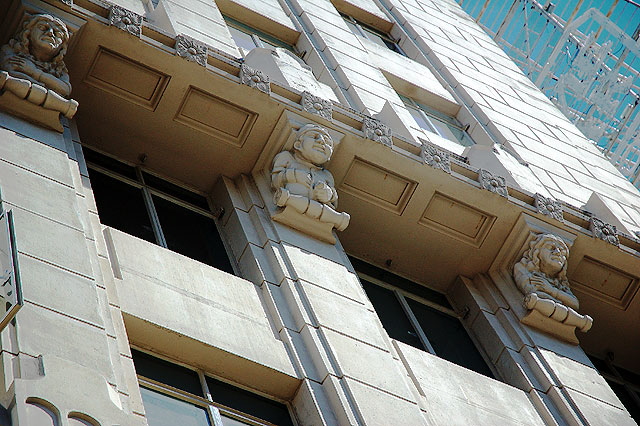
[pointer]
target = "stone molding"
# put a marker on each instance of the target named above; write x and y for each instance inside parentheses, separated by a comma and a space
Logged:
(317, 105)
(304, 191)
(436, 158)
(377, 131)
(493, 183)
(125, 20)
(548, 207)
(604, 231)
(255, 78)
(191, 49)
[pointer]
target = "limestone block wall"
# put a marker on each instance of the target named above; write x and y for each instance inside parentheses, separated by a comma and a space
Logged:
(536, 147)
(65, 332)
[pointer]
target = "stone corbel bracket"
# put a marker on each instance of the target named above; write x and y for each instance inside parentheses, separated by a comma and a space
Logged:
(317, 105)
(544, 305)
(255, 78)
(192, 50)
(377, 131)
(125, 20)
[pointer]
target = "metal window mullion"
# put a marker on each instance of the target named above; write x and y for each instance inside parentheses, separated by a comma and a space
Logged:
(214, 413)
(414, 322)
(151, 210)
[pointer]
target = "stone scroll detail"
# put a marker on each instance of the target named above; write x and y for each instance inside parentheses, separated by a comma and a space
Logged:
(317, 105)
(254, 78)
(125, 20)
(541, 276)
(493, 183)
(304, 189)
(436, 158)
(376, 131)
(32, 66)
(604, 231)
(549, 207)
(191, 49)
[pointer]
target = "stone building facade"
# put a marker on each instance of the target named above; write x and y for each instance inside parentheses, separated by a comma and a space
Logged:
(293, 212)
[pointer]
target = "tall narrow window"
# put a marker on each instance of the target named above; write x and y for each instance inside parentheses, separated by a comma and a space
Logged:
(420, 317)
(437, 122)
(178, 396)
(141, 204)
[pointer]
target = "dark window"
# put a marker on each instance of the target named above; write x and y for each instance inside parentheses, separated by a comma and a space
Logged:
(624, 383)
(418, 318)
(150, 208)
(204, 401)
(248, 38)
(371, 33)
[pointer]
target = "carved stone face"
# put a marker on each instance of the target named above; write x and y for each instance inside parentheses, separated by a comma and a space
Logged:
(46, 39)
(553, 257)
(315, 146)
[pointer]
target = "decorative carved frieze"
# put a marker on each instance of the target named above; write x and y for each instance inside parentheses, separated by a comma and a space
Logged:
(548, 207)
(604, 231)
(191, 49)
(436, 158)
(32, 66)
(67, 2)
(304, 189)
(316, 105)
(376, 131)
(493, 183)
(126, 20)
(541, 276)
(254, 78)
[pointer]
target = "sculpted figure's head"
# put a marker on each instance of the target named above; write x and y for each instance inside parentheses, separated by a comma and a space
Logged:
(548, 254)
(314, 144)
(43, 37)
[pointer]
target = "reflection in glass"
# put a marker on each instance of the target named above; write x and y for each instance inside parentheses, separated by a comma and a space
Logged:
(163, 410)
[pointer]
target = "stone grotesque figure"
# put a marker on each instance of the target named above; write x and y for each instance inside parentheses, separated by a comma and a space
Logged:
(541, 275)
(32, 67)
(302, 183)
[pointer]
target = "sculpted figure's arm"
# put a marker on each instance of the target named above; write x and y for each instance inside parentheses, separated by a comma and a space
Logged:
(324, 191)
(23, 68)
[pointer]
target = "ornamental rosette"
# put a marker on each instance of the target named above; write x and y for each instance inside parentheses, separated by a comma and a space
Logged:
(316, 105)
(125, 20)
(604, 231)
(549, 207)
(254, 78)
(436, 158)
(493, 183)
(376, 131)
(191, 49)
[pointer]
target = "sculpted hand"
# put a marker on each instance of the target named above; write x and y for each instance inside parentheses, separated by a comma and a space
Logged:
(322, 192)
(23, 65)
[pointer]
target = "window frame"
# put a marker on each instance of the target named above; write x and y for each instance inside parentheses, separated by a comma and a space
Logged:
(402, 296)
(215, 410)
(429, 114)
(260, 38)
(612, 374)
(364, 30)
(147, 195)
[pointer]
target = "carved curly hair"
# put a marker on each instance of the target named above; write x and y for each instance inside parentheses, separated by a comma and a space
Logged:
(20, 44)
(531, 259)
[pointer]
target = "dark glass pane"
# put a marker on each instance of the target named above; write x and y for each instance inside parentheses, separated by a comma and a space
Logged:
(191, 234)
(626, 399)
(393, 318)
(249, 403)
(629, 376)
(121, 206)
(449, 338)
(91, 156)
(175, 191)
(165, 372)
(163, 410)
(402, 283)
(600, 365)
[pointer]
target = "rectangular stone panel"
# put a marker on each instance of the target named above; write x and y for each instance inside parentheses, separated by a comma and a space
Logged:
(209, 114)
(604, 282)
(378, 186)
(457, 220)
(127, 79)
